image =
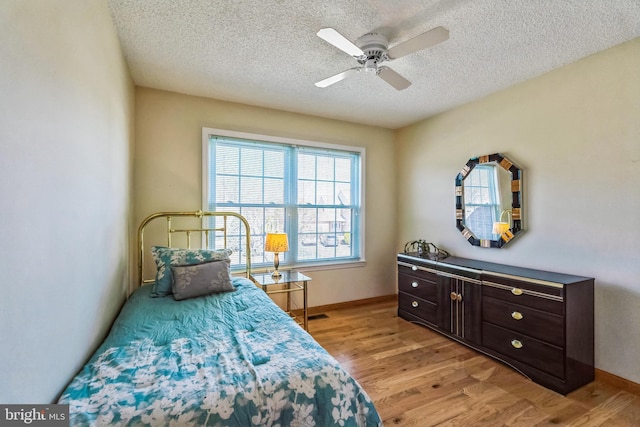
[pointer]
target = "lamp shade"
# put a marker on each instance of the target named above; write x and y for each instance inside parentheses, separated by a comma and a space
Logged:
(276, 242)
(500, 227)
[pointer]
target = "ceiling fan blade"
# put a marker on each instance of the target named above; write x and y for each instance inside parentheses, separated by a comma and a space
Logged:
(338, 77)
(423, 41)
(336, 39)
(393, 78)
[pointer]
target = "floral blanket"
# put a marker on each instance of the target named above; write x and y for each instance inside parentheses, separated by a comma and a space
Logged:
(228, 359)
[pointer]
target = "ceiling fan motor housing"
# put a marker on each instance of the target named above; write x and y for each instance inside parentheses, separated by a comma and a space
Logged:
(374, 47)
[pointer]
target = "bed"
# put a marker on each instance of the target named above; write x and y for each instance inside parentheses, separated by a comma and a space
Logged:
(227, 358)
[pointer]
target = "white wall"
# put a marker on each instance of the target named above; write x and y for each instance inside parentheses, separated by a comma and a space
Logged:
(576, 133)
(65, 138)
(168, 175)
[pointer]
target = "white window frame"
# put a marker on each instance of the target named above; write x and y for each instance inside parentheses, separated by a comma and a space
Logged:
(315, 265)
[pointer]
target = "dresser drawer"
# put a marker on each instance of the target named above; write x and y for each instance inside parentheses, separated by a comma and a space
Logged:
(535, 323)
(525, 295)
(418, 307)
(533, 352)
(419, 287)
(422, 271)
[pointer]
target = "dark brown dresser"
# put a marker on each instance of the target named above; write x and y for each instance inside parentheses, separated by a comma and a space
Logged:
(538, 322)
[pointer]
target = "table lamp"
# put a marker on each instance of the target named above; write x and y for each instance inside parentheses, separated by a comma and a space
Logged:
(276, 243)
(501, 227)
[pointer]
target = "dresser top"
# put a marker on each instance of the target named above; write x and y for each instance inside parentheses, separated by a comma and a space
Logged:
(487, 268)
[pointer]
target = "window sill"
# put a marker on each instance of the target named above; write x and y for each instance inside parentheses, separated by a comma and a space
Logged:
(333, 265)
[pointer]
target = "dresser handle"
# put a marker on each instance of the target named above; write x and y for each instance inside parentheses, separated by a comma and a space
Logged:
(414, 267)
(517, 315)
(516, 291)
(516, 344)
(414, 284)
(455, 296)
(414, 304)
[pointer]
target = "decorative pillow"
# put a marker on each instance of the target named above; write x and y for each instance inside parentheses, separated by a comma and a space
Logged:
(190, 281)
(169, 257)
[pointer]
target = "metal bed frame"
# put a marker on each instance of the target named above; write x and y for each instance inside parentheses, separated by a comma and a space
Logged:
(203, 232)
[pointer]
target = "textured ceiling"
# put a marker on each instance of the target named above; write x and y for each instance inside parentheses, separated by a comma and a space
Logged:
(266, 52)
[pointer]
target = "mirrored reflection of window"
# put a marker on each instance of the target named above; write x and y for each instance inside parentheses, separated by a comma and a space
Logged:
(482, 200)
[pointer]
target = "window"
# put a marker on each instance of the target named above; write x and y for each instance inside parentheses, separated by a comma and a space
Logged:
(311, 191)
(482, 201)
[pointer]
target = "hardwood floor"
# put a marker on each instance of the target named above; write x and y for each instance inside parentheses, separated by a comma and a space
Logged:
(417, 377)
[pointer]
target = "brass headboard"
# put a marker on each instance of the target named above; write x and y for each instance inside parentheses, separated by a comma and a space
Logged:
(204, 233)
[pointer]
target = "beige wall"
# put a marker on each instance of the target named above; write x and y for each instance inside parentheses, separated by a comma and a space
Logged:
(576, 133)
(168, 175)
(66, 148)
(65, 139)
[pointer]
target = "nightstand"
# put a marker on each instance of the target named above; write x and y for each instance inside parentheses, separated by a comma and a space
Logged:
(290, 281)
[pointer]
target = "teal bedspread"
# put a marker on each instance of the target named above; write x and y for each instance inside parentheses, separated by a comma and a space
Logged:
(231, 359)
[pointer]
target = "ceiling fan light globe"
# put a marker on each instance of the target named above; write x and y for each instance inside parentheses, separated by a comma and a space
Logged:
(371, 66)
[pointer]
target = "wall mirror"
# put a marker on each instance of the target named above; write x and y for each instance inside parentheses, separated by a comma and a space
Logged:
(489, 201)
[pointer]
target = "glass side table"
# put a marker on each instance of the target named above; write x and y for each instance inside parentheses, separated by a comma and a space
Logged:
(290, 281)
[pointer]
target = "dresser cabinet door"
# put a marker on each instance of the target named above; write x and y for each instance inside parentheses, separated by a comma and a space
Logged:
(461, 313)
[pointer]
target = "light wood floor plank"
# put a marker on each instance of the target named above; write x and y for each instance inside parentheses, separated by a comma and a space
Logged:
(417, 377)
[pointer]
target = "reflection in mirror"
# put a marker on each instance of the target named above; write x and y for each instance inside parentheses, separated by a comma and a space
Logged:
(488, 201)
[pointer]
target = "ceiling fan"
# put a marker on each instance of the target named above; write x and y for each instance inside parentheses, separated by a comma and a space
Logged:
(372, 50)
